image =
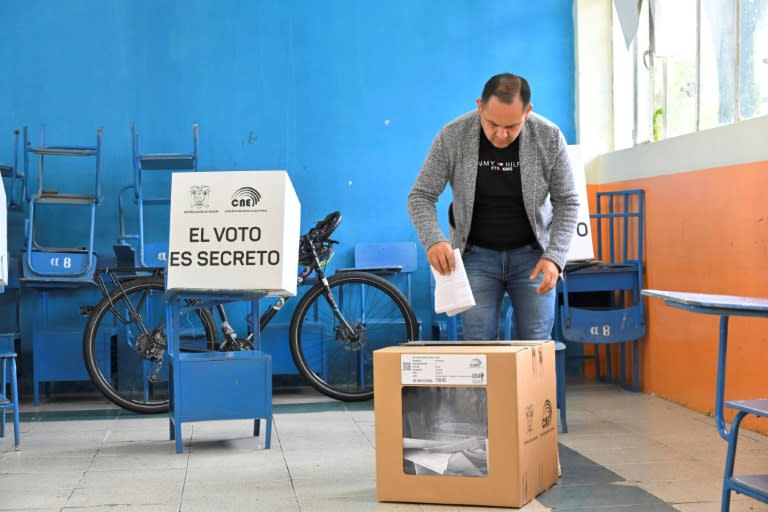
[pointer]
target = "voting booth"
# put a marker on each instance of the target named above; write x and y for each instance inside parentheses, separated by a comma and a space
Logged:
(234, 236)
(234, 230)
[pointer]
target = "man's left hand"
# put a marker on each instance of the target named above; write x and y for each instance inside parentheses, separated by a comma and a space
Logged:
(551, 273)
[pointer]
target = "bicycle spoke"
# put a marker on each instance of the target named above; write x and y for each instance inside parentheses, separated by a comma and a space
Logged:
(127, 360)
(336, 359)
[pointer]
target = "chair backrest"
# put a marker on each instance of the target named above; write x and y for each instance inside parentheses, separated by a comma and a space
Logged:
(387, 254)
(388, 257)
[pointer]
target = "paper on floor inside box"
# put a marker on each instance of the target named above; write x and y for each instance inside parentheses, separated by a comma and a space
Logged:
(452, 292)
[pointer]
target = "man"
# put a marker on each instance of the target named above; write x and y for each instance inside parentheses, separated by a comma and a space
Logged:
(514, 208)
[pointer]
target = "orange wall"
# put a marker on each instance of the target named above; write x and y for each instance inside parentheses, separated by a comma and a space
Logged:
(706, 231)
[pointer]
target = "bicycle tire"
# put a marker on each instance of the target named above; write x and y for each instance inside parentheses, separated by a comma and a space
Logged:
(111, 342)
(332, 363)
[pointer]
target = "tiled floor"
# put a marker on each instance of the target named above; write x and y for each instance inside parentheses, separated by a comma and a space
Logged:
(625, 452)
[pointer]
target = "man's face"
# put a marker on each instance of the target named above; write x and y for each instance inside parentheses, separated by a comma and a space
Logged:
(502, 122)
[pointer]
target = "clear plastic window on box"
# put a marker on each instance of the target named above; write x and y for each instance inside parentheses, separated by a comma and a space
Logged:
(445, 431)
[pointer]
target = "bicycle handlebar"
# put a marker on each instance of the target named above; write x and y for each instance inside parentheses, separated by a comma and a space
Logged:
(324, 228)
(315, 242)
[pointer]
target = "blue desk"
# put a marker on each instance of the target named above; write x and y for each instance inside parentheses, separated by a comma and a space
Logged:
(216, 385)
(725, 306)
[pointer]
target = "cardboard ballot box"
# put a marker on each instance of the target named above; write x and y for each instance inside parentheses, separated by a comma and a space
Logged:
(471, 424)
(234, 230)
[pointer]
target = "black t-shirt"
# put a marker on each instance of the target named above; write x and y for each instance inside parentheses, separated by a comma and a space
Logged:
(499, 220)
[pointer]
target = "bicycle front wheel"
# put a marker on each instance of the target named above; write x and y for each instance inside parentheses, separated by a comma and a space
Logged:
(125, 344)
(338, 361)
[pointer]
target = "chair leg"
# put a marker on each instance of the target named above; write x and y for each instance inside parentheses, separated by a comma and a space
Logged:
(11, 401)
(560, 383)
(3, 396)
(15, 399)
(636, 365)
(730, 459)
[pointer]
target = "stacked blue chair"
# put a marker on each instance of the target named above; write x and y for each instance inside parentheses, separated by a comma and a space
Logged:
(599, 302)
(49, 262)
(59, 259)
(134, 249)
(9, 391)
(140, 251)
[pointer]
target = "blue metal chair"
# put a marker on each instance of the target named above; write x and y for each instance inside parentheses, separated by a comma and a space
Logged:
(133, 249)
(599, 302)
(9, 391)
(77, 261)
(393, 260)
(9, 402)
(9, 388)
(390, 259)
(66, 258)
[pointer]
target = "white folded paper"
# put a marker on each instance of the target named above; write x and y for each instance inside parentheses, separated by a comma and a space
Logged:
(452, 292)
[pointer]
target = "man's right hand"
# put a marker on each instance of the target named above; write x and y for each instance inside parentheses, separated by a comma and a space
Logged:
(440, 256)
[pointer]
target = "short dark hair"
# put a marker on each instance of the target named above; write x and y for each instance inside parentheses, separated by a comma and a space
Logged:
(507, 87)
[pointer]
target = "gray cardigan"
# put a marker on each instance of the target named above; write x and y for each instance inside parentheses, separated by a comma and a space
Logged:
(550, 197)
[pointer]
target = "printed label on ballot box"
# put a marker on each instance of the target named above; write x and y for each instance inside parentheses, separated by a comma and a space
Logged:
(452, 369)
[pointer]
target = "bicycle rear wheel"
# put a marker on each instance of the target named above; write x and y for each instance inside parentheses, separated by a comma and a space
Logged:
(128, 363)
(337, 363)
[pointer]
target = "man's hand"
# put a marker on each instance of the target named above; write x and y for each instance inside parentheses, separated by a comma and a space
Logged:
(440, 256)
(551, 273)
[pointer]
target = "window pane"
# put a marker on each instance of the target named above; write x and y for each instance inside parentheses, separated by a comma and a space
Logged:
(642, 63)
(718, 63)
(675, 30)
(623, 89)
(753, 58)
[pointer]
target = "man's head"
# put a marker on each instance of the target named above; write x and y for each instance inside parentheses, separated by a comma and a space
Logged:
(503, 108)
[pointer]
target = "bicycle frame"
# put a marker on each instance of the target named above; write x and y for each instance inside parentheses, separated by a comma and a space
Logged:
(232, 342)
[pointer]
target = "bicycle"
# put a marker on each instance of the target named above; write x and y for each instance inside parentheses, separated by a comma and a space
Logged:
(334, 329)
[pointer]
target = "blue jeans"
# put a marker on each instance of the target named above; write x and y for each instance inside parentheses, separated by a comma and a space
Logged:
(491, 273)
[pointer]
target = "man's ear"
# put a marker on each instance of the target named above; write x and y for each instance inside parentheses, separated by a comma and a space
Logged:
(528, 110)
(479, 105)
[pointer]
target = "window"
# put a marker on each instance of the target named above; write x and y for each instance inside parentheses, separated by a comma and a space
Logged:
(753, 58)
(693, 65)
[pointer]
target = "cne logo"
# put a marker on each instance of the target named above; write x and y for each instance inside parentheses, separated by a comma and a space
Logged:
(546, 421)
(245, 197)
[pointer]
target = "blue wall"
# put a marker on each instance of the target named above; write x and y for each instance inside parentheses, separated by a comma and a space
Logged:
(346, 95)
